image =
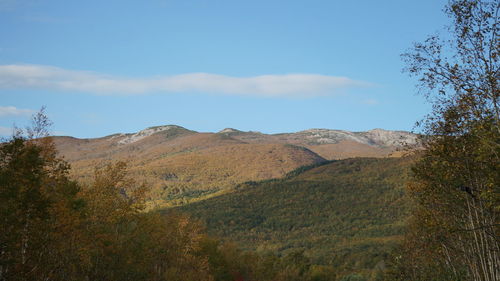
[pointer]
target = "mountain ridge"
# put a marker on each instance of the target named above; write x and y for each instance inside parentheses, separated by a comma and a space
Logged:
(315, 136)
(185, 165)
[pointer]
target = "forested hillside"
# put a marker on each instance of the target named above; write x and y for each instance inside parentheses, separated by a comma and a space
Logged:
(348, 213)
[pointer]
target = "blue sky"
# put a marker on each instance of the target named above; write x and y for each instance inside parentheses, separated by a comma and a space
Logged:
(102, 67)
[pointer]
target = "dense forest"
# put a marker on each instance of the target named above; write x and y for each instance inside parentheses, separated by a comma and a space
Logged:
(349, 214)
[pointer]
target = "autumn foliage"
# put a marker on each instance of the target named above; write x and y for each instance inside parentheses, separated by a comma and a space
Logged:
(53, 228)
(454, 234)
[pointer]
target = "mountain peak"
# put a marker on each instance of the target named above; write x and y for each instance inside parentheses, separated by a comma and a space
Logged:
(228, 131)
(131, 138)
(375, 137)
(391, 138)
(378, 130)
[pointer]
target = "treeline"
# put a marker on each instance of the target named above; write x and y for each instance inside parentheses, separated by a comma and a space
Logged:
(53, 228)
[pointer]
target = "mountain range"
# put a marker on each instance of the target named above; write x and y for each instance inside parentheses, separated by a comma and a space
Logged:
(337, 196)
(182, 166)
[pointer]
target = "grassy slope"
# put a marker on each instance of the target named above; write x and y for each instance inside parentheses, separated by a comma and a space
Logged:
(182, 166)
(349, 213)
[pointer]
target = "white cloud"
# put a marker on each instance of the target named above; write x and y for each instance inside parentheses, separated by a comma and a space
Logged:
(54, 78)
(13, 111)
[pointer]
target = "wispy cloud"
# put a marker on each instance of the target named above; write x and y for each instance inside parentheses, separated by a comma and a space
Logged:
(14, 111)
(59, 79)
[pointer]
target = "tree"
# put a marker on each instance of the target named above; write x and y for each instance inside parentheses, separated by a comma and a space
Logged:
(456, 181)
(37, 203)
(52, 228)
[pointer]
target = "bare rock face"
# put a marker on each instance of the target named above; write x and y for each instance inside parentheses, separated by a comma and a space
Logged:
(391, 138)
(376, 137)
(229, 131)
(131, 138)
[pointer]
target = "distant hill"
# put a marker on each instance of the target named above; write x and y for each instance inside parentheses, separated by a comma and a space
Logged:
(350, 213)
(335, 144)
(182, 165)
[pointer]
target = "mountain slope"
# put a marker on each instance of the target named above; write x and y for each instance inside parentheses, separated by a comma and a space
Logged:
(335, 144)
(349, 213)
(182, 165)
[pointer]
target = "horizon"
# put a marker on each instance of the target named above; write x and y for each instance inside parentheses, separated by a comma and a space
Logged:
(228, 128)
(264, 65)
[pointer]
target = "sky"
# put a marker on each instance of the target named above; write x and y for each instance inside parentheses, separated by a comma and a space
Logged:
(103, 67)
